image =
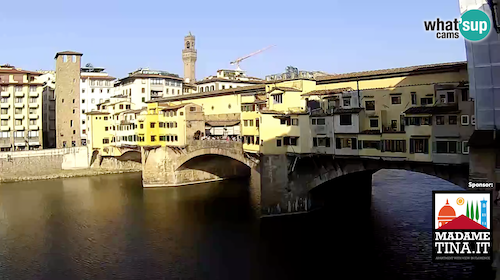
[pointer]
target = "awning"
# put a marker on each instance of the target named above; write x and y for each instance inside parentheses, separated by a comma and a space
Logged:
(34, 143)
(5, 145)
(20, 144)
(223, 123)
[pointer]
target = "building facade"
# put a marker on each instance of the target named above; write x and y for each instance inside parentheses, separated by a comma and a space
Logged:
(96, 86)
(144, 85)
(67, 91)
(226, 79)
(20, 109)
(48, 109)
(417, 113)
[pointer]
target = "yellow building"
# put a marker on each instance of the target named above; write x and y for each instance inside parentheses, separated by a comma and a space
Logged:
(392, 114)
(20, 109)
(112, 126)
(163, 124)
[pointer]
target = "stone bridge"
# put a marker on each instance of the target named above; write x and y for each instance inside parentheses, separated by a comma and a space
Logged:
(280, 184)
(199, 161)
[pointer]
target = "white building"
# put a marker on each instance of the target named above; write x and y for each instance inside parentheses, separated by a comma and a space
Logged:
(96, 86)
(144, 85)
(226, 79)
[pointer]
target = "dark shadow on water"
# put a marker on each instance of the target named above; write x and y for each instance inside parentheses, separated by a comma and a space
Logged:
(109, 227)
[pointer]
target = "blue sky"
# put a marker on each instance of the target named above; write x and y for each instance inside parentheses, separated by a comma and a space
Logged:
(331, 36)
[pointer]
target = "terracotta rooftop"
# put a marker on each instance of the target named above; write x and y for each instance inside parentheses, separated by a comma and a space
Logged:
(96, 113)
(326, 91)
(210, 93)
(212, 80)
(285, 89)
(133, 111)
(166, 106)
(347, 111)
(401, 70)
(68, 53)
(99, 77)
(432, 110)
(17, 71)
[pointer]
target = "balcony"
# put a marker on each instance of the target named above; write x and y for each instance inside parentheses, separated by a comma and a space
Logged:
(4, 105)
(5, 94)
(34, 94)
(19, 127)
(19, 105)
(33, 116)
(33, 105)
(33, 127)
(19, 94)
(4, 128)
(18, 116)
(4, 142)
(320, 129)
(33, 141)
(4, 117)
(19, 141)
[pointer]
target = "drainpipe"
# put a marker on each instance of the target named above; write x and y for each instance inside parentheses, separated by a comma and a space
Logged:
(359, 99)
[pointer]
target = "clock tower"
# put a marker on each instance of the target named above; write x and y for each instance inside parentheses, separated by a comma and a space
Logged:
(189, 56)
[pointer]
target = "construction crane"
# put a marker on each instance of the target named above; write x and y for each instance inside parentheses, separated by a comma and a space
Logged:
(237, 61)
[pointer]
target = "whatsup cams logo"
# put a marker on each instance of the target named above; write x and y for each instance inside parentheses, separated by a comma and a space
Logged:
(473, 25)
(462, 226)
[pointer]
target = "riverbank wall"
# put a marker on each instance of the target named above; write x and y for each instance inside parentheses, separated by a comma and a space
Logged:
(58, 163)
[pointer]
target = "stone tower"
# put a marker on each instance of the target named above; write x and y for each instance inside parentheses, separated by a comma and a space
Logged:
(68, 65)
(189, 56)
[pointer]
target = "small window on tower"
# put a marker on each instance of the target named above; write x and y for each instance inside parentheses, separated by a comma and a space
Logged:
(187, 45)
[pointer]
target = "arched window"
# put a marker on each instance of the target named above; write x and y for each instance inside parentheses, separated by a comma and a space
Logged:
(201, 89)
(187, 45)
(206, 88)
(212, 88)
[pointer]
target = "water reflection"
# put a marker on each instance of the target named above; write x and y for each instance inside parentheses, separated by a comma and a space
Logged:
(108, 227)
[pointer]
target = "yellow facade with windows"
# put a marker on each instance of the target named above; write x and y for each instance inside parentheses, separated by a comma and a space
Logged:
(274, 118)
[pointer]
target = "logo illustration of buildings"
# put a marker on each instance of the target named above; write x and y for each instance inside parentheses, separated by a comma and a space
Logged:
(483, 213)
(446, 214)
(447, 218)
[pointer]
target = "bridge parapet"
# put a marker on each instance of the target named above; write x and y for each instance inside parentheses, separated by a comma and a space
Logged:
(194, 145)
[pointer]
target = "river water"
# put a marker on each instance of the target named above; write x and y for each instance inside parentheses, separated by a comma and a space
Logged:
(109, 227)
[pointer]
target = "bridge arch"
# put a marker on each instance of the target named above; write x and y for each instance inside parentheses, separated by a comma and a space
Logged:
(312, 172)
(214, 152)
(131, 155)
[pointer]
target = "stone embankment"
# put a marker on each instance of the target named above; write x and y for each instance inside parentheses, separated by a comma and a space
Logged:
(63, 174)
(59, 163)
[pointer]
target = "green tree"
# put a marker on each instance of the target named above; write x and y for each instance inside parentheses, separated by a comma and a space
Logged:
(477, 211)
(472, 210)
(467, 211)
